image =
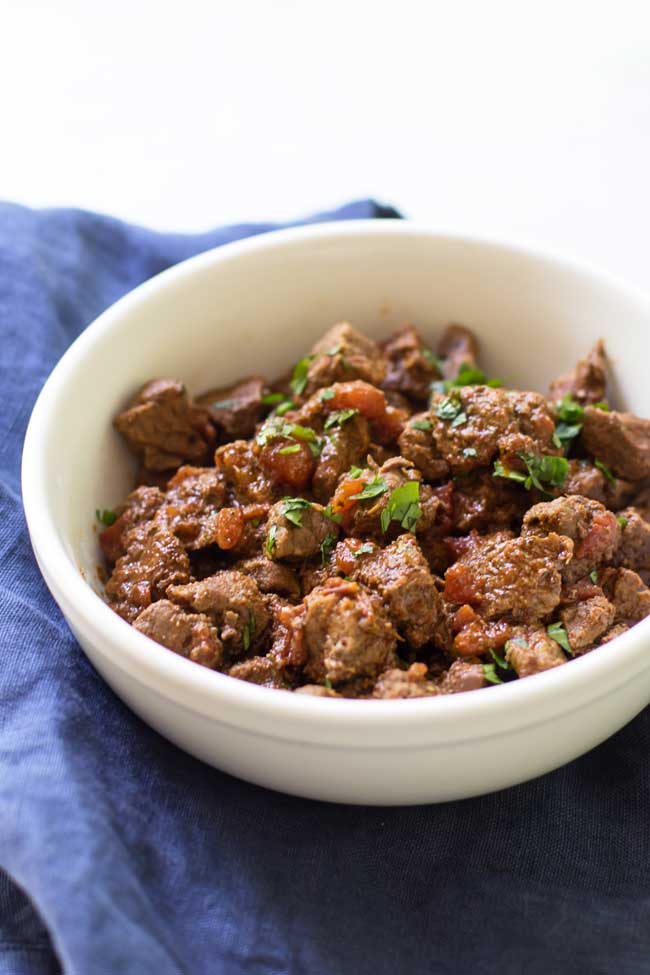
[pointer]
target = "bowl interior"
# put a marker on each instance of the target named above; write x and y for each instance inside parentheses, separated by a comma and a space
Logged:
(257, 306)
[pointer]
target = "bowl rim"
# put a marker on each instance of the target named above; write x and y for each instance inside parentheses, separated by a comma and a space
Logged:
(202, 690)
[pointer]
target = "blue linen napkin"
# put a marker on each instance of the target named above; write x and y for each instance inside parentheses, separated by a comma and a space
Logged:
(121, 854)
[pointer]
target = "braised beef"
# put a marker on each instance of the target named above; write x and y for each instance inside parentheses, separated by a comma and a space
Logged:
(383, 522)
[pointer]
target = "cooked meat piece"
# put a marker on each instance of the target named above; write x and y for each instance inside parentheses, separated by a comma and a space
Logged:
(259, 670)
(586, 383)
(532, 650)
(397, 683)
(191, 508)
(463, 676)
(140, 505)
(641, 502)
(619, 440)
(584, 478)
(586, 621)
(246, 482)
(411, 367)
(516, 576)
(317, 690)
(153, 561)
(457, 346)
(235, 410)
(164, 427)
(191, 635)
(416, 444)
(401, 576)
(485, 503)
(271, 577)
(617, 630)
(296, 529)
(344, 447)
(633, 550)
(475, 636)
(629, 594)
(346, 632)
(343, 354)
(233, 602)
(594, 531)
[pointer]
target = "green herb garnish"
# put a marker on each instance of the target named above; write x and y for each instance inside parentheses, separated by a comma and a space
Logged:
(557, 632)
(450, 407)
(568, 410)
(329, 513)
(326, 394)
(366, 549)
(604, 469)
(291, 449)
(403, 506)
(593, 575)
(500, 661)
(106, 517)
(490, 674)
(269, 548)
(469, 375)
(622, 520)
(602, 405)
(516, 641)
(249, 629)
(293, 509)
(339, 417)
(432, 359)
(421, 424)
(299, 375)
(372, 489)
(270, 399)
(276, 427)
(327, 546)
(355, 472)
(542, 471)
(328, 684)
(469, 451)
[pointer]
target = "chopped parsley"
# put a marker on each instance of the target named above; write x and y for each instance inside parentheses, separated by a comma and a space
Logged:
(293, 509)
(269, 548)
(291, 449)
(459, 420)
(469, 375)
(499, 661)
(490, 674)
(602, 405)
(105, 517)
(270, 399)
(249, 629)
(372, 489)
(326, 394)
(432, 359)
(622, 521)
(329, 513)
(593, 575)
(450, 407)
(516, 641)
(339, 417)
(355, 472)
(327, 546)
(557, 632)
(565, 433)
(328, 684)
(421, 424)
(299, 376)
(568, 410)
(366, 549)
(276, 427)
(543, 471)
(284, 407)
(403, 506)
(604, 469)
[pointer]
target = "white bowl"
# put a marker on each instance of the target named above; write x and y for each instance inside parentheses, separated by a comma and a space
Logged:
(258, 305)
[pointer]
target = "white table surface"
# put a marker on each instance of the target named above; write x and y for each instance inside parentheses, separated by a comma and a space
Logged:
(524, 120)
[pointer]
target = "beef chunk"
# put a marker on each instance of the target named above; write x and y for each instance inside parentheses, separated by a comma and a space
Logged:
(233, 602)
(347, 633)
(191, 635)
(457, 346)
(165, 428)
(518, 576)
(344, 446)
(140, 506)
(586, 621)
(411, 367)
(192, 502)
(593, 530)
(584, 478)
(271, 577)
(396, 683)
(618, 629)
(235, 410)
(619, 440)
(463, 676)
(633, 550)
(485, 503)
(473, 425)
(296, 529)
(586, 383)
(401, 576)
(259, 670)
(363, 518)
(532, 650)
(641, 502)
(629, 594)
(343, 354)
(246, 482)
(416, 444)
(154, 560)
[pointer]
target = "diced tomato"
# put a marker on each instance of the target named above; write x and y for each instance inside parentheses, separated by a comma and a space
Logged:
(367, 399)
(601, 535)
(463, 617)
(295, 469)
(230, 527)
(343, 501)
(460, 586)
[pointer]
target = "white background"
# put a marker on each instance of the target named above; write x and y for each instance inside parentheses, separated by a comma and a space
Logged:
(525, 120)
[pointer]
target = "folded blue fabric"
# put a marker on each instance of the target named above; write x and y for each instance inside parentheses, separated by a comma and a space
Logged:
(124, 855)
